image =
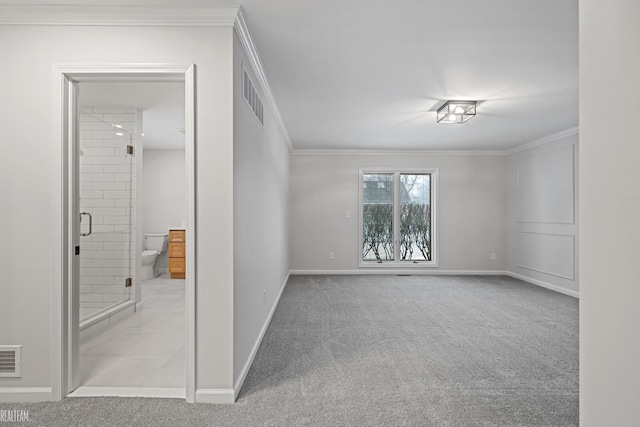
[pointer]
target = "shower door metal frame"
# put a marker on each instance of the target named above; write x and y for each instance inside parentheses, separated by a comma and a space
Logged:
(65, 359)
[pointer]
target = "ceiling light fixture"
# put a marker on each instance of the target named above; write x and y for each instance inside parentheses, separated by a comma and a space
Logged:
(456, 111)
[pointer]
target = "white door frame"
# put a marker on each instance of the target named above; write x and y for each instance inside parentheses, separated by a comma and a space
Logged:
(64, 76)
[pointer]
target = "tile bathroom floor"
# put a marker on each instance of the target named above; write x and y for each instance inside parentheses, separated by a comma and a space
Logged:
(144, 350)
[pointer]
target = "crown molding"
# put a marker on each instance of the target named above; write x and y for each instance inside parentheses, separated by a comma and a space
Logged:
(254, 60)
(118, 15)
(347, 152)
(544, 140)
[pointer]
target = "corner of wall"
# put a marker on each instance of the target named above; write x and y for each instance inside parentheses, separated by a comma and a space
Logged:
(260, 148)
(215, 396)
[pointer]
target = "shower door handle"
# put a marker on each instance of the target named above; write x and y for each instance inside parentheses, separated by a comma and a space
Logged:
(90, 223)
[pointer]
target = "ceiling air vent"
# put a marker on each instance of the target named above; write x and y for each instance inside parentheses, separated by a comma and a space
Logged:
(251, 96)
(10, 360)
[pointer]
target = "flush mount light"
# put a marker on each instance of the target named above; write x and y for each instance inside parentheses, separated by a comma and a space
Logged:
(119, 134)
(456, 111)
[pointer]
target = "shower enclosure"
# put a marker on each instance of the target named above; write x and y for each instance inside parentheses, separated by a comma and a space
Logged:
(107, 210)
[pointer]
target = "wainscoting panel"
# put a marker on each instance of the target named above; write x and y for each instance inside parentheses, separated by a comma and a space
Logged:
(552, 254)
(546, 187)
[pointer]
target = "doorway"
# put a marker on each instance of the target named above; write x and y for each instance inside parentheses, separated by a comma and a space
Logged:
(82, 222)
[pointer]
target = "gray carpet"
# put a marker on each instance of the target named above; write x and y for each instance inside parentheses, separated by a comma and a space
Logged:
(386, 351)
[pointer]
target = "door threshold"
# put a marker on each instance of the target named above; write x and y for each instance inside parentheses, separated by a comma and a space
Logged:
(166, 393)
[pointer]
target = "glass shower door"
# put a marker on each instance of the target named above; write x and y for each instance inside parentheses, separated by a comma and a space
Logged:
(107, 203)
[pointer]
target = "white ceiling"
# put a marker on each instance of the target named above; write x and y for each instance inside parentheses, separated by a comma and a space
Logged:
(162, 105)
(367, 74)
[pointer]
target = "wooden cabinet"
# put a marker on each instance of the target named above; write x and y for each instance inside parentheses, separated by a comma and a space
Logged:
(177, 253)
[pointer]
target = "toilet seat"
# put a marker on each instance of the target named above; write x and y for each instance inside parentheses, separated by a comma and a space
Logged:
(148, 253)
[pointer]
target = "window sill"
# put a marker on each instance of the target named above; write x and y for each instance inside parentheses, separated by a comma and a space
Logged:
(397, 264)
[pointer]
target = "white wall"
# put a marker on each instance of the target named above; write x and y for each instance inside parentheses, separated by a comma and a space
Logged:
(471, 209)
(26, 111)
(163, 193)
(261, 216)
(609, 213)
(542, 214)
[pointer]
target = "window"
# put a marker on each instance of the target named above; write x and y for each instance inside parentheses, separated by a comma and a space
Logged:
(397, 218)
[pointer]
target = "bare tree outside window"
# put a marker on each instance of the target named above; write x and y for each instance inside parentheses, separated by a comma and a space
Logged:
(377, 242)
(415, 217)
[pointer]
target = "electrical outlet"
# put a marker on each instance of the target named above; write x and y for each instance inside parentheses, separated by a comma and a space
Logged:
(348, 214)
(331, 255)
(493, 256)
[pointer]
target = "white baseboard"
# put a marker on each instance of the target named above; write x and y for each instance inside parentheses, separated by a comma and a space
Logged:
(25, 394)
(217, 396)
(173, 393)
(543, 284)
(245, 370)
(402, 272)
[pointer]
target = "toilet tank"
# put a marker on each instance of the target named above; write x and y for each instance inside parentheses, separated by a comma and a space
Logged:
(156, 242)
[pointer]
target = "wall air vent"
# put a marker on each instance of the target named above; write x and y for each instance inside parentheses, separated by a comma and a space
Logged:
(10, 356)
(251, 96)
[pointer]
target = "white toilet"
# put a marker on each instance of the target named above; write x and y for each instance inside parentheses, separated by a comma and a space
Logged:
(155, 244)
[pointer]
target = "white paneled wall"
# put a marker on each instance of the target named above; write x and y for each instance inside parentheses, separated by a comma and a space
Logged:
(542, 239)
(107, 181)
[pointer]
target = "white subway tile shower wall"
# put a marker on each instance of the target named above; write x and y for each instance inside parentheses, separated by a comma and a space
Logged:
(107, 192)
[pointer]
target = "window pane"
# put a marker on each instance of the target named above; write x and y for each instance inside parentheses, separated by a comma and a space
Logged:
(415, 217)
(377, 217)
